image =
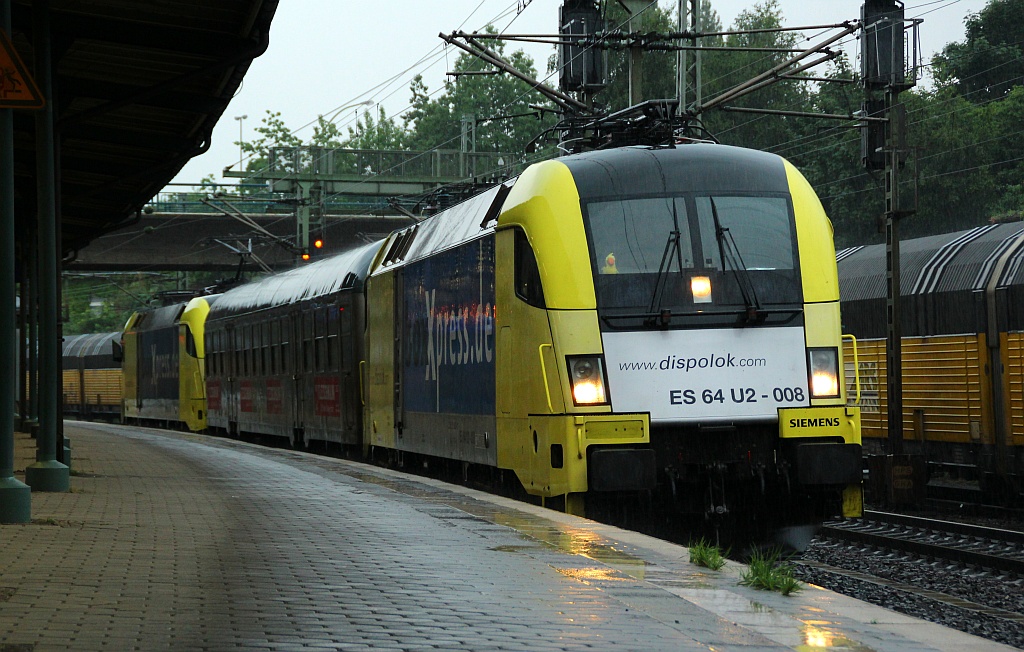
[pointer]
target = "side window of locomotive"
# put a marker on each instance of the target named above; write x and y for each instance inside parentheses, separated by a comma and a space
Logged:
(527, 274)
(631, 236)
(190, 342)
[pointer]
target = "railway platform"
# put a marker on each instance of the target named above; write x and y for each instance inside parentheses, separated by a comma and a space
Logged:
(181, 541)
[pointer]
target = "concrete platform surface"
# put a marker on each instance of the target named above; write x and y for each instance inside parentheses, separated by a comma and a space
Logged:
(186, 542)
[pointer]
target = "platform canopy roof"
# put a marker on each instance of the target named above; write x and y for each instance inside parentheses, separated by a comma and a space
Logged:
(137, 89)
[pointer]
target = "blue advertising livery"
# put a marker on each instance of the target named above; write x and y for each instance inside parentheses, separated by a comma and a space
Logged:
(448, 302)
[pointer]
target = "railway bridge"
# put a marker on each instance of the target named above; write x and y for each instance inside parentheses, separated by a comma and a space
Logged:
(272, 213)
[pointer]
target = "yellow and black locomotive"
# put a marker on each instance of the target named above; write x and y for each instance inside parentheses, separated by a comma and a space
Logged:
(655, 321)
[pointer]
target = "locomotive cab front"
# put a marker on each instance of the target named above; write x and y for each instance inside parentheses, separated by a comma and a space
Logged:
(706, 306)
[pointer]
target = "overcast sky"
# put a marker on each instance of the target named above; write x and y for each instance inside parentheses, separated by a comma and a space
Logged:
(328, 54)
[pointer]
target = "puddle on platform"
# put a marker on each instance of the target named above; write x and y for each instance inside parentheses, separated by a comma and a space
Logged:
(590, 575)
(817, 637)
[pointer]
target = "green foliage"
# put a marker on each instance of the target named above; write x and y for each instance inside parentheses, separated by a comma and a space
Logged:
(382, 133)
(725, 70)
(273, 132)
(499, 105)
(965, 132)
(103, 303)
(658, 73)
(988, 63)
(767, 573)
(704, 554)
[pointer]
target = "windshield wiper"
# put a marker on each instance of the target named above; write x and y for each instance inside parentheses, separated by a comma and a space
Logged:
(731, 258)
(657, 316)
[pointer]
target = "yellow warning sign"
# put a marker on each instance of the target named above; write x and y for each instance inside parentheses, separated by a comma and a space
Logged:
(17, 89)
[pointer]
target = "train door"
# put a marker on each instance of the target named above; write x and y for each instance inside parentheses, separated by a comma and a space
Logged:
(378, 417)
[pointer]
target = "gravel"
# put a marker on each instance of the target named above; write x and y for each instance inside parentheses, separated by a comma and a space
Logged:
(978, 586)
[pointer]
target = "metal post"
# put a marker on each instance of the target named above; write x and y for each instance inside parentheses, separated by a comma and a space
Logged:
(23, 339)
(15, 496)
(894, 331)
(688, 81)
(302, 192)
(636, 58)
(241, 119)
(47, 474)
(32, 277)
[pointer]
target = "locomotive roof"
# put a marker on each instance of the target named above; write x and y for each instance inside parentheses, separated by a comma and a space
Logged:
(698, 167)
(161, 317)
(449, 228)
(964, 260)
(81, 346)
(307, 282)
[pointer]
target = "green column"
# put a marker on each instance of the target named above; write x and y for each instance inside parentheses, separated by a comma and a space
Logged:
(47, 474)
(15, 496)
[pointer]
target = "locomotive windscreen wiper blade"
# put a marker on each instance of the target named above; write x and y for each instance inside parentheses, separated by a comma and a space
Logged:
(672, 247)
(731, 258)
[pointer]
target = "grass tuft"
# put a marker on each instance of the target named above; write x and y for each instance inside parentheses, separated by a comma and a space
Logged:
(704, 554)
(767, 573)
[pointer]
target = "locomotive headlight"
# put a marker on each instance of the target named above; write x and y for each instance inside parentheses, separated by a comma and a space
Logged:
(586, 374)
(700, 286)
(824, 365)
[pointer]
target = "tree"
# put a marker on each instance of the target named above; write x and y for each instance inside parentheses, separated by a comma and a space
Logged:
(497, 105)
(725, 70)
(273, 132)
(382, 133)
(828, 154)
(989, 61)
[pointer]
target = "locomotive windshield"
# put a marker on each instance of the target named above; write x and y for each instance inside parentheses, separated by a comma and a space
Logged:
(694, 258)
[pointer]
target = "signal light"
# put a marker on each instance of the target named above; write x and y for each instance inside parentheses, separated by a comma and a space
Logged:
(305, 255)
(318, 243)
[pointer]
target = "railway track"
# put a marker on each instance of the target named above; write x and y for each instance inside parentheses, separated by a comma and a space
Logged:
(971, 545)
(964, 576)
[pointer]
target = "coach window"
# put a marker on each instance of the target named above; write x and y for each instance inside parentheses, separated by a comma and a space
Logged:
(219, 352)
(236, 355)
(285, 362)
(247, 351)
(240, 342)
(247, 343)
(527, 275)
(318, 339)
(222, 352)
(275, 339)
(332, 334)
(254, 350)
(211, 353)
(307, 341)
(264, 345)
